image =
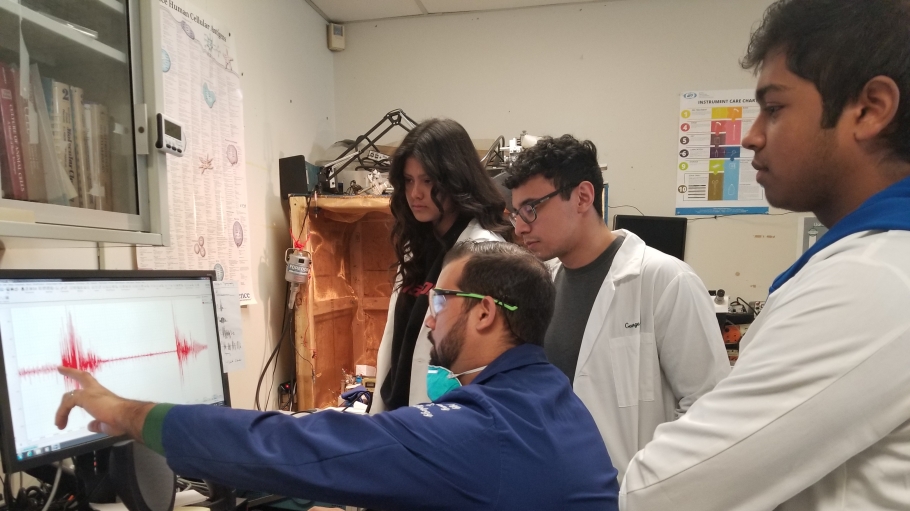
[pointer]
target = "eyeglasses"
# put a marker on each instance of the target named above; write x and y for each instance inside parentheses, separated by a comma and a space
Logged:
(528, 211)
(438, 300)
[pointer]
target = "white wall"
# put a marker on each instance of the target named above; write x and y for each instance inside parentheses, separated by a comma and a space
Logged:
(610, 72)
(288, 109)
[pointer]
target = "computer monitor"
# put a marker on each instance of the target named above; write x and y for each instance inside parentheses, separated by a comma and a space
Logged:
(148, 335)
(667, 234)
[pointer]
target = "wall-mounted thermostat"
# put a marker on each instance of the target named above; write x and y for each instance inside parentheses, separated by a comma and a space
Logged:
(335, 34)
(171, 136)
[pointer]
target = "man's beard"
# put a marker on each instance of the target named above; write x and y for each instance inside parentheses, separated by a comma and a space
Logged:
(445, 351)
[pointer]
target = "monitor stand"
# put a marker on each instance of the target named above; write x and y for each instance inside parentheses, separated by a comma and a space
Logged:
(142, 478)
(139, 476)
(144, 482)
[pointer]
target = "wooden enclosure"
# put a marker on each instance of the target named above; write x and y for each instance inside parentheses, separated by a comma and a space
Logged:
(341, 313)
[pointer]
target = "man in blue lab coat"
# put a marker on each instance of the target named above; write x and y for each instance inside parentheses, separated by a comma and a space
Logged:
(504, 430)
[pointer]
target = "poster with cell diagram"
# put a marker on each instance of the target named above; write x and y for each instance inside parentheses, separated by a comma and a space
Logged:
(207, 190)
(714, 172)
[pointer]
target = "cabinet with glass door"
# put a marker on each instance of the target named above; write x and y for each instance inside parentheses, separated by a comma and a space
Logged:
(74, 162)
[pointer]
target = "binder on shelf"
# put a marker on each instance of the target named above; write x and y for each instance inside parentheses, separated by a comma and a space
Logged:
(12, 175)
(60, 107)
(28, 133)
(80, 156)
(60, 189)
(97, 128)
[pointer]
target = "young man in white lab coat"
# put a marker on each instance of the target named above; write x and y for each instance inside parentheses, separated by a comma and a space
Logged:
(816, 414)
(634, 329)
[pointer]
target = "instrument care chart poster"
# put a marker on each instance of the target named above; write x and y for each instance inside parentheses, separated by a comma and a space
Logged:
(714, 172)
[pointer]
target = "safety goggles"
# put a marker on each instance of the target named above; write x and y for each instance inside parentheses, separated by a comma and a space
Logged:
(438, 299)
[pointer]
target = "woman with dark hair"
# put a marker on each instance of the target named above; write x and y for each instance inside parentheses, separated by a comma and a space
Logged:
(442, 195)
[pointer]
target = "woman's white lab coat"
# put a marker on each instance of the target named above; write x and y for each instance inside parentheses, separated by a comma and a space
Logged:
(651, 347)
(421, 359)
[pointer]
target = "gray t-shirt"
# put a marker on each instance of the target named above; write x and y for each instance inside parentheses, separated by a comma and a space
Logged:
(576, 291)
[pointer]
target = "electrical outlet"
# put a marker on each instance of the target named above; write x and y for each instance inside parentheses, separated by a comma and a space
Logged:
(757, 305)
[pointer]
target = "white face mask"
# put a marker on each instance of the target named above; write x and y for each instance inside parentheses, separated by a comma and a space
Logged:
(441, 380)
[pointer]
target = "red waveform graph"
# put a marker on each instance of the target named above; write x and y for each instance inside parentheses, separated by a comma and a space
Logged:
(186, 347)
(74, 355)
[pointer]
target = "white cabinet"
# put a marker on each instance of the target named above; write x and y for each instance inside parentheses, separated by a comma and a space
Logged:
(80, 84)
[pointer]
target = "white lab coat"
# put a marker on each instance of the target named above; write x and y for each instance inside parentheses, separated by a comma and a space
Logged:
(651, 347)
(421, 360)
(815, 415)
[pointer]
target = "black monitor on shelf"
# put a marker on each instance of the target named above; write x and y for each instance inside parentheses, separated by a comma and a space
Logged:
(145, 335)
(664, 233)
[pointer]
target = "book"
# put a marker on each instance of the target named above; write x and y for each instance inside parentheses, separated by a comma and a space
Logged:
(28, 132)
(93, 145)
(60, 106)
(80, 156)
(13, 175)
(6, 182)
(105, 136)
(58, 186)
(4, 167)
(97, 128)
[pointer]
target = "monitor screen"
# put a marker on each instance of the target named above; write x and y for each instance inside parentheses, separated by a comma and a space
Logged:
(667, 234)
(144, 335)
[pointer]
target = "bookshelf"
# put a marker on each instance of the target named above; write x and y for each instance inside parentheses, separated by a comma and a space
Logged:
(88, 173)
(49, 38)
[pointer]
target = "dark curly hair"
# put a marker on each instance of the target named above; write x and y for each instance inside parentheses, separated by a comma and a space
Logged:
(565, 161)
(448, 156)
(839, 45)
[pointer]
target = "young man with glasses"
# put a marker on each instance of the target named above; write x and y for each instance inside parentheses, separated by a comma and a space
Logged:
(505, 431)
(634, 329)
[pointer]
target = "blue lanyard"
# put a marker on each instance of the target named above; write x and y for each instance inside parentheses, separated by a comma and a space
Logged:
(888, 210)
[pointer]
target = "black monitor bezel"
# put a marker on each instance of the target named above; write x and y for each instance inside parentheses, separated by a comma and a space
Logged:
(7, 446)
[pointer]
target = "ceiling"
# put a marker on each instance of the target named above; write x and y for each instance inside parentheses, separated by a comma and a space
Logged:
(347, 11)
